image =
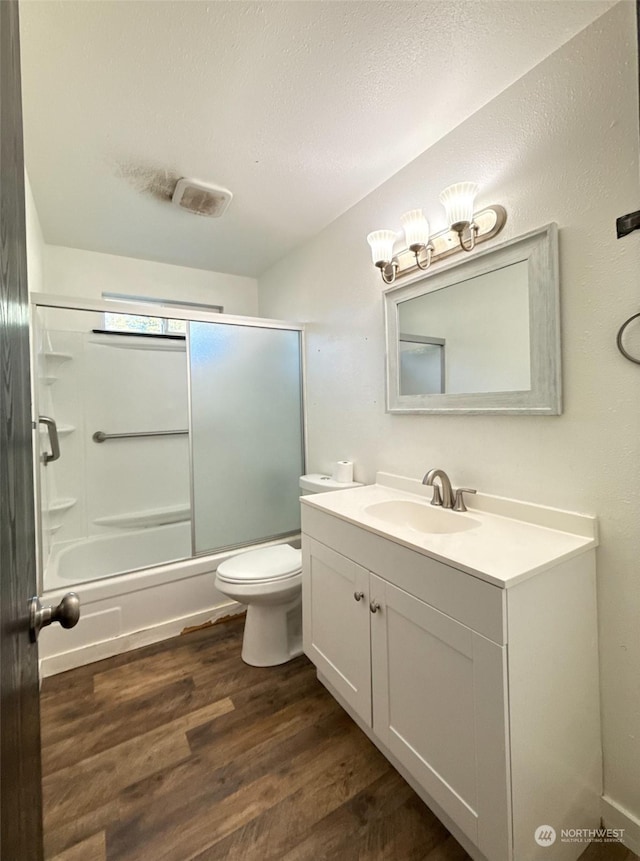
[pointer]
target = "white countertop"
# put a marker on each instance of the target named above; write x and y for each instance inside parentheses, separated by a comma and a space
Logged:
(513, 540)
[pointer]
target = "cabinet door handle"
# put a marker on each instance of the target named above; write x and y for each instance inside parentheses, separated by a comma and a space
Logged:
(358, 596)
(374, 606)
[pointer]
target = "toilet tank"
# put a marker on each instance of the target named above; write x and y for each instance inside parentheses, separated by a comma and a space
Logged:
(318, 483)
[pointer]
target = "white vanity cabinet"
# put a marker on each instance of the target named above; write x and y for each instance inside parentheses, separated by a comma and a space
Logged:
(484, 698)
(432, 690)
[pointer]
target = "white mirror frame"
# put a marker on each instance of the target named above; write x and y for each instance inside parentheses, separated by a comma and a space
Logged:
(540, 250)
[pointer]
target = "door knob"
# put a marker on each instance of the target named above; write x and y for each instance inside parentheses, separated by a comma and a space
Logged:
(358, 596)
(66, 613)
(374, 606)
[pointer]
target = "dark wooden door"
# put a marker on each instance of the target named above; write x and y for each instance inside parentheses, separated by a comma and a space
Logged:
(20, 786)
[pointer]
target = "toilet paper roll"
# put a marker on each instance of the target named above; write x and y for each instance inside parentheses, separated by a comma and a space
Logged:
(343, 471)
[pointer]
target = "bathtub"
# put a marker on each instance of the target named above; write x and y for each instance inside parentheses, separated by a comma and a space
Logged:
(118, 553)
(123, 611)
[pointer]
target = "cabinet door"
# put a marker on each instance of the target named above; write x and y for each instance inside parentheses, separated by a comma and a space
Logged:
(439, 705)
(335, 624)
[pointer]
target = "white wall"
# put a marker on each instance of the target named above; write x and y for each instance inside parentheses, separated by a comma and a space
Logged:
(74, 272)
(35, 242)
(561, 145)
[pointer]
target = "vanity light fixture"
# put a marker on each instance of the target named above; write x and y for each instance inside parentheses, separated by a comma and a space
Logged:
(458, 204)
(416, 232)
(466, 230)
(382, 242)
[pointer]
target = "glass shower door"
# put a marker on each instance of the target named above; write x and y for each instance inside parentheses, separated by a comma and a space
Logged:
(246, 433)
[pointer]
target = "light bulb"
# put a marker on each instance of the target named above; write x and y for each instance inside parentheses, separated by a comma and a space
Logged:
(458, 202)
(381, 242)
(416, 228)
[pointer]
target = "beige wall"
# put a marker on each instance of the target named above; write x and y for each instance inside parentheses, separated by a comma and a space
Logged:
(561, 145)
(74, 272)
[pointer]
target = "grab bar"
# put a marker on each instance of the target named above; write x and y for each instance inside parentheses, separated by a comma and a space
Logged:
(101, 436)
(52, 430)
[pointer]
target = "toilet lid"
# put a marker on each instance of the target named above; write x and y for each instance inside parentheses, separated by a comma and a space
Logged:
(271, 563)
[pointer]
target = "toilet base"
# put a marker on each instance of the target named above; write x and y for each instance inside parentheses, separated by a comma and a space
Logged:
(272, 633)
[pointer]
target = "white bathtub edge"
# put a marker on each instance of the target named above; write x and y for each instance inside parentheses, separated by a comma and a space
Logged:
(91, 591)
(51, 665)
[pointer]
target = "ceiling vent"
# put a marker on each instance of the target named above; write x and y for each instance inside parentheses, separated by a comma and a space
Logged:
(201, 198)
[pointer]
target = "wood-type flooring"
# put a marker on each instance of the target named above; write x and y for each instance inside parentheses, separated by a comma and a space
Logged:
(180, 752)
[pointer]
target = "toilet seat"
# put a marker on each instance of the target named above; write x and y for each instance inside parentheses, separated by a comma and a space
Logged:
(269, 565)
(264, 581)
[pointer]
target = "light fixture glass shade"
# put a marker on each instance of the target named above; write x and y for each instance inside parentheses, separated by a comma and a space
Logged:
(381, 242)
(458, 203)
(416, 227)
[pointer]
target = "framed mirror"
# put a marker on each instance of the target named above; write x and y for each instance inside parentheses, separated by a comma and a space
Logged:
(481, 335)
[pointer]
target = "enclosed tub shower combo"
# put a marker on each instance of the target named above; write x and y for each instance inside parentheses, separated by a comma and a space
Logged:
(168, 440)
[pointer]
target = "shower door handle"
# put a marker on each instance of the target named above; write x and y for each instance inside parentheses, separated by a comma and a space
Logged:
(66, 613)
(52, 430)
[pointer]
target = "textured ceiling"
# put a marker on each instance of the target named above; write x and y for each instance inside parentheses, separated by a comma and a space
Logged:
(300, 108)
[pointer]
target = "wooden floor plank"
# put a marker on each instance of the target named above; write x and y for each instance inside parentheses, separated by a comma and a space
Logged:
(237, 793)
(94, 848)
(101, 729)
(181, 752)
(62, 836)
(74, 790)
(374, 825)
(227, 765)
(154, 671)
(364, 781)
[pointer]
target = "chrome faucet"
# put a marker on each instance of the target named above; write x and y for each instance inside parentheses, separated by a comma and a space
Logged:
(446, 500)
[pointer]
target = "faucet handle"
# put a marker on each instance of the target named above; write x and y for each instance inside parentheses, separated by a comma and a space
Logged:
(459, 503)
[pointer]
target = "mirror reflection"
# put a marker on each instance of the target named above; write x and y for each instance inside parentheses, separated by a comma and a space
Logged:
(468, 337)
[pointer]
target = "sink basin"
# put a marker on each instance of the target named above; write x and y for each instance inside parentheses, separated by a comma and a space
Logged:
(421, 517)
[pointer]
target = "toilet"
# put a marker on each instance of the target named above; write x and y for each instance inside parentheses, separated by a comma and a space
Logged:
(269, 582)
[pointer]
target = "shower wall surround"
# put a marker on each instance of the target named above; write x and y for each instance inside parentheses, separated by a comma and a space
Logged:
(111, 383)
(560, 144)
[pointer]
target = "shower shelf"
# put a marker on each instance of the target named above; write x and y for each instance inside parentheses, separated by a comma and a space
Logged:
(52, 361)
(59, 506)
(56, 357)
(55, 510)
(142, 519)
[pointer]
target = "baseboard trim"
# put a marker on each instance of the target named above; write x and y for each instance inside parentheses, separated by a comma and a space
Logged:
(615, 816)
(60, 663)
